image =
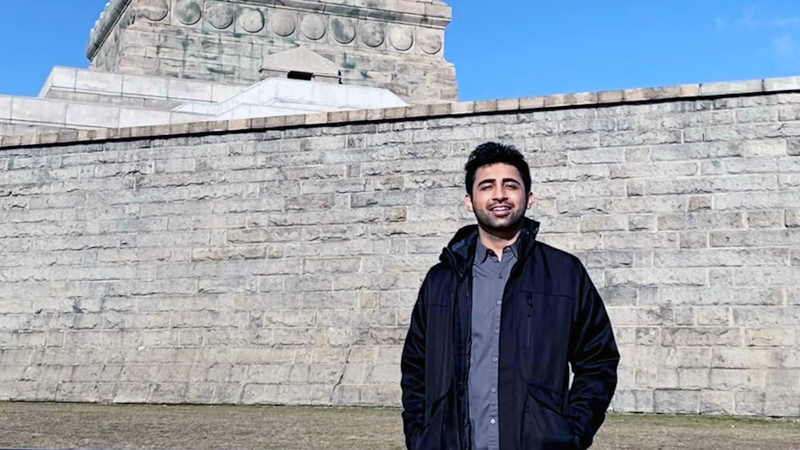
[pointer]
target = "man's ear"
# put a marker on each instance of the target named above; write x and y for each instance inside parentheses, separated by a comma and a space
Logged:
(531, 200)
(468, 203)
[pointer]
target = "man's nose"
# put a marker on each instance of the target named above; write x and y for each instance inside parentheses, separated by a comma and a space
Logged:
(500, 193)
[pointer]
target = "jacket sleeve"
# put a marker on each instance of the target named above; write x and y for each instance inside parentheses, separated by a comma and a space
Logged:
(594, 358)
(412, 366)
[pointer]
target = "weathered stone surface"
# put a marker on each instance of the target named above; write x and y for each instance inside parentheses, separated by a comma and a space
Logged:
(188, 12)
(282, 266)
(220, 15)
(397, 45)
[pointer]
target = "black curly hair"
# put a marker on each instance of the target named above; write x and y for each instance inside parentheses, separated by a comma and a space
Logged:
(494, 153)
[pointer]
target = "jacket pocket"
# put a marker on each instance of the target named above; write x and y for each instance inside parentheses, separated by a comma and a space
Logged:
(441, 431)
(544, 425)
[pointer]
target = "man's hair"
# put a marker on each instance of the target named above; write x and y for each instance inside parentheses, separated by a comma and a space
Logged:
(494, 153)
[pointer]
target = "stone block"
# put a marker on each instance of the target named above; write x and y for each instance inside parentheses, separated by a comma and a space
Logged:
(720, 257)
(656, 277)
(792, 219)
(186, 90)
(749, 403)
(642, 222)
(702, 337)
(737, 380)
(781, 404)
(716, 402)
(633, 401)
(677, 401)
(745, 358)
(694, 239)
(141, 86)
(639, 316)
(765, 148)
(99, 82)
(132, 393)
(5, 108)
(38, 111)
(92, 116)
(598, 156)
(770, 337)
(713, 317)
(260, 394)
(590, 224)
(765, 219)
(640, 240)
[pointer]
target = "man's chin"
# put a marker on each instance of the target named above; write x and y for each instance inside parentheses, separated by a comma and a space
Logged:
(507, 225)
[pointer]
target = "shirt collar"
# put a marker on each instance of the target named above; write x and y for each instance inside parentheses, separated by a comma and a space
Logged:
(482, 253)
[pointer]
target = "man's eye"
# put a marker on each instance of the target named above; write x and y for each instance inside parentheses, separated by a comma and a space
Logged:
(486, 187)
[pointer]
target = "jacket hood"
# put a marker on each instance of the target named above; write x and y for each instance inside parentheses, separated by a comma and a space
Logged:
(460, 252)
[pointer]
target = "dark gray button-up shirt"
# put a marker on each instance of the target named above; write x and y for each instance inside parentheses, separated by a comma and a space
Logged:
(488, 285)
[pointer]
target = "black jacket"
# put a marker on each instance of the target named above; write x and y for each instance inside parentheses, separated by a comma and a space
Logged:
(551, 316)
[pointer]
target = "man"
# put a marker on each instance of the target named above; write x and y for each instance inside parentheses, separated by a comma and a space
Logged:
(497, 323)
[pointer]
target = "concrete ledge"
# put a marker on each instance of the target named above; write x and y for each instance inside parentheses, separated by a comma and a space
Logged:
(583, 99)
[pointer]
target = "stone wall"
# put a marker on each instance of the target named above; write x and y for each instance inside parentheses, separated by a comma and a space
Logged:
(277, 260)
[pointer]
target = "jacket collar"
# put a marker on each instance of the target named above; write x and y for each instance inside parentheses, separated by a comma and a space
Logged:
(460, 252)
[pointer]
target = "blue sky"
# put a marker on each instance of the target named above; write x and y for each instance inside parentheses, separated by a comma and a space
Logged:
(506, 48)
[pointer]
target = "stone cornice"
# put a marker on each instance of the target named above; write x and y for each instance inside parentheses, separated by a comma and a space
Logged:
(419, 112)
(432, 13)
(103, 26)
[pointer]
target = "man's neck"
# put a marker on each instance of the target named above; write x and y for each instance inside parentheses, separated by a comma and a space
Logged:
(497, 242)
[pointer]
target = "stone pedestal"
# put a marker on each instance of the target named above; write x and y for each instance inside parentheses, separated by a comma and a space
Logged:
(392, 44)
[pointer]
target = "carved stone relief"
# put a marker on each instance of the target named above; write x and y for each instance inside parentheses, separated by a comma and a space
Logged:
(313, 27)
(344, 30)
(430, 41)
(188, 12)
(220, 15)
(401, 38)
(283, 23)
(153, 10)
(251, 20)
(373, 34)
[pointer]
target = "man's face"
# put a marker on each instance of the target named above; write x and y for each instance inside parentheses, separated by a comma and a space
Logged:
(498, 198)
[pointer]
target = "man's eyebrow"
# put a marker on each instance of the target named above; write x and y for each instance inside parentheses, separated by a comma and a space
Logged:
(513, 180)
(486, 180)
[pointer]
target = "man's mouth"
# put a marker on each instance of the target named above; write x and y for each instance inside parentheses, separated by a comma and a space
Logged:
(500, 210)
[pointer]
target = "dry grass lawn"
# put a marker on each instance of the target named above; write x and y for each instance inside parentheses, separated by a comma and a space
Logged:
(56, 426)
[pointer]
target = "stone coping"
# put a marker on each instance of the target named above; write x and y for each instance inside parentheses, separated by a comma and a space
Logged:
(416, 112)
(431, 13)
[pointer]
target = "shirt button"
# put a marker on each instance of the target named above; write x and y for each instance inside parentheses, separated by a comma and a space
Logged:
(496, 331)
(494, 359)
(494, 390)
(493, 421)
(499, 302)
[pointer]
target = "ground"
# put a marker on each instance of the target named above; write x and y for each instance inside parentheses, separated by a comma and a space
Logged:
(47, 425)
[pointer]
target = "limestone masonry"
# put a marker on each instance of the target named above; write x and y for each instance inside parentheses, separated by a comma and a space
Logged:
(276, 259)
(392, 44)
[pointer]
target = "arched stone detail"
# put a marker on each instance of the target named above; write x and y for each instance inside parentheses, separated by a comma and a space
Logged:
(188, 12)
(344, 30)
(283, 23)
(251, 20)
(153, 10)
(430, 41)
(373, 34)
(313, 27)
(401, 38)
(220, 15)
